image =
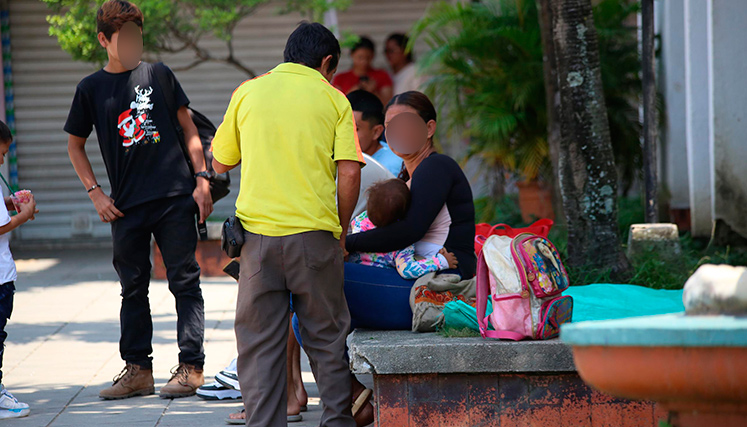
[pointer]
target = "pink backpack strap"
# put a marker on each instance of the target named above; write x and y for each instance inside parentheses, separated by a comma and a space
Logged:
(503, 335)
(483, 292)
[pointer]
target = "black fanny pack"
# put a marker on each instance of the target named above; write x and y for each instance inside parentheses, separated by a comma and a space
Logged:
(232, 237)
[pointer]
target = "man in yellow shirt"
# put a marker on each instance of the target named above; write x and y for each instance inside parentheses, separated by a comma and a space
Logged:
(292, 133)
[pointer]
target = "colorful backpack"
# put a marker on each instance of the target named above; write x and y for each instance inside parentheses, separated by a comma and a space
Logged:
(524, 279)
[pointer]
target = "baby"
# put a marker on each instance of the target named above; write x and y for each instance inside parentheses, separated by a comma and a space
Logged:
(388, 202)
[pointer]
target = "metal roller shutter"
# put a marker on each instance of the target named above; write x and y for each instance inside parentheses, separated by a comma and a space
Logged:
(45, 80)
(46, 77)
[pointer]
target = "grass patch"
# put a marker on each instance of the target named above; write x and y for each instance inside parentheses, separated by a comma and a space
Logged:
(665, 271)
(654, 270)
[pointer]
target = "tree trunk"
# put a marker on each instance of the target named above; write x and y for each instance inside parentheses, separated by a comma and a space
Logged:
(588, 178)
(552, 101)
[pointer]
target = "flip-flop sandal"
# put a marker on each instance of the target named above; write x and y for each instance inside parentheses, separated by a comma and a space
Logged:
(295, 418)
(237, 421)
(361, 400)
(241, 422)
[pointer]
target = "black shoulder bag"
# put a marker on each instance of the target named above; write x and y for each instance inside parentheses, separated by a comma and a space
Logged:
(219, 183)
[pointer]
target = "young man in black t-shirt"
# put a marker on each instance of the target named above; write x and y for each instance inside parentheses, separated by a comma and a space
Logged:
(154, 193)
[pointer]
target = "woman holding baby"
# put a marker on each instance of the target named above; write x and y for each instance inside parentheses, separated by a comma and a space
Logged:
(427, 225)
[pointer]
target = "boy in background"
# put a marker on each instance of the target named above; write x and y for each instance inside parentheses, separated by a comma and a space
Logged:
(154, 194)
(369, 122)
(10, 407)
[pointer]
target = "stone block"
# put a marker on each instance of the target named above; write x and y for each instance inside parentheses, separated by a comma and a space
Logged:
(716, 289)
(647, 238)
(405, 352)
(424, 380)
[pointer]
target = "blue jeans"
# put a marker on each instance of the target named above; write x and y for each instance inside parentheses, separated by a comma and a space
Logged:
(6, 308)
(296, 326)
(378, 298)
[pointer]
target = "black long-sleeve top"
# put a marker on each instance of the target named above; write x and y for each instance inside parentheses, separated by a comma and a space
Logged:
(438, 180)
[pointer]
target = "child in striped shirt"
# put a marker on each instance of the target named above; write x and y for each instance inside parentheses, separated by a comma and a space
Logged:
(388, 202)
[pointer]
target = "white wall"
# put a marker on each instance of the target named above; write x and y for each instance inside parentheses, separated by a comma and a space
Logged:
(698, 114)
(729, 94)
(674, 170)
(713, 57)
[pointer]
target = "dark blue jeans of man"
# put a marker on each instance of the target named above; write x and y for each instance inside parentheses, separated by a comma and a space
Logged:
(172, 222)
(6, 308)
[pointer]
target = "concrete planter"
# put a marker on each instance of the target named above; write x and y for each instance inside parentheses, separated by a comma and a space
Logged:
(425, 380)
(693, 366)
(535, 201)
(209, 255)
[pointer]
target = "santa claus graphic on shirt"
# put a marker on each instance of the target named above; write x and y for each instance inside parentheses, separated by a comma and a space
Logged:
(134, 124)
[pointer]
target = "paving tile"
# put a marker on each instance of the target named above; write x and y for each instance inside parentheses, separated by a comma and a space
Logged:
(62, 346)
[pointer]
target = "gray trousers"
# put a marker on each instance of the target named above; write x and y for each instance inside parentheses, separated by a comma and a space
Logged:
(310, 265)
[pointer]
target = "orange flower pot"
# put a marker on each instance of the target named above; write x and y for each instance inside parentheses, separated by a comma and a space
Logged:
(535, 201)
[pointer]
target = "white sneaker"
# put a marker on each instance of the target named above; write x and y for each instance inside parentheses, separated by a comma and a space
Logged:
(10, 407)
(231, 366)
(228, 379)
(217, 391)
(229, 376)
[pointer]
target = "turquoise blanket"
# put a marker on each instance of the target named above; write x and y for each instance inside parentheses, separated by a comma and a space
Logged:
(591, 302)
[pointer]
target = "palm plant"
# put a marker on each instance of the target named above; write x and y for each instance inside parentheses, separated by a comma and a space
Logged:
(485, 67)
(485, 63)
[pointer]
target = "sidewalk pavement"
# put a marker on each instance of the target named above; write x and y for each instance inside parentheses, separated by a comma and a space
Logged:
(62, 346)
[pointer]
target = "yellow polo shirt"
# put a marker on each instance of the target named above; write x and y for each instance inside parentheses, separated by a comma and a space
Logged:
(288, 128)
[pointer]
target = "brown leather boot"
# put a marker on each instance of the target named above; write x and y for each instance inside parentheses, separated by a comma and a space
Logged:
(132, 381)
(184, 382)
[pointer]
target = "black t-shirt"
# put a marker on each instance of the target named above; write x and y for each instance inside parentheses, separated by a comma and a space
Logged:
(438, 180)
(139, 142)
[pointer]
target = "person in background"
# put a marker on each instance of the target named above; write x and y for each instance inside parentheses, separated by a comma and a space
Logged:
(155, 194)
(292, 133)
(404, 72)
(363, 75)
(441, 215)
(369, 121)
(10, 407)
